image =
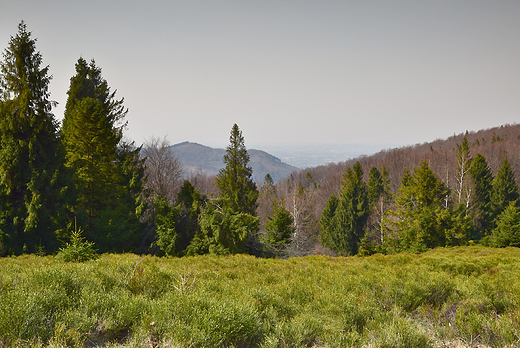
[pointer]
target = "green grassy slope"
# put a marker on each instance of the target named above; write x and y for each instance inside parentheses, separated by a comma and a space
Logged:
(445, 297)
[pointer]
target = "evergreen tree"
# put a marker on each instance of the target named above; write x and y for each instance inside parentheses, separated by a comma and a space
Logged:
(167, 218)
(177, 224)
(108, 172)
(326, 221)
(32, 177)
(227, 223)
(221, 231)
(483, 186)
(375, 186)
(351, 213)
(235, 180)
(279, 226)
(421, 218)
(192, 203)
(507, 230)
(505, 188)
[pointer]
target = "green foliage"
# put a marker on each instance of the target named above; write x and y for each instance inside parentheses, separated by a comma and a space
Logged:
(507, 230)
(108, 172)
(280, 226)
(78, 250)
(421, 219)
(505, 188)
(326, 224)
(33, 182)
(167, 221)
(234, 181)
(177, 224)
(375, 186)
(228, 222)
(344, 226)
(483, 214)
(222, 231)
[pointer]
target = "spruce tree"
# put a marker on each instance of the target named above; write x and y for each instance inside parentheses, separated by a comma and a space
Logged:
(482, 178)
(505, 188)
(235, 180)
(348, 224)
(108, 172)
(228, 222)
(421, 219)
(507, 230)
(32, 176)
(375, 185)
(279, 226)
(326, 221)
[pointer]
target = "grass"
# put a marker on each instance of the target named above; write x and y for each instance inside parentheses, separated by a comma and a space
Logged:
(453, 297)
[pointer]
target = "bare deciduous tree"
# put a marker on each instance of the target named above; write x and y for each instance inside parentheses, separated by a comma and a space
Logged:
(163, 168)
(204, 183)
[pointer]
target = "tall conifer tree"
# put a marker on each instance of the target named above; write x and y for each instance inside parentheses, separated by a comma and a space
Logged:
(235, 180)
(343, 225)
(108, 172)
(31, 162)
(229, 221)
(482, 178)
(505, 188)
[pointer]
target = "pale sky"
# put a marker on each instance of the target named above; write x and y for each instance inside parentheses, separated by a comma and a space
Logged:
(288, 71)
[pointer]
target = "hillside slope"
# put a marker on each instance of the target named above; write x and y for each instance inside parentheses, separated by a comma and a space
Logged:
(493, 144)
(200, 157)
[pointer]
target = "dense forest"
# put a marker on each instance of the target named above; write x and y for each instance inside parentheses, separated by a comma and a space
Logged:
(81, 186)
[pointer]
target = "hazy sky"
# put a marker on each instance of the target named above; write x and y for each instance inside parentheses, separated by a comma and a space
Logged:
(295, 72)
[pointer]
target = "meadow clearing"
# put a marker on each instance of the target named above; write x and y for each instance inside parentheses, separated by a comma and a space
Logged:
(447, 297)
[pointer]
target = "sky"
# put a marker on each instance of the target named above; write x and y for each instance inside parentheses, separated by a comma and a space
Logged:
(288, 72)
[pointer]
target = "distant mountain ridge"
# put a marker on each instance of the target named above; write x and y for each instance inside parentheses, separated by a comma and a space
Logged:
(195, 156)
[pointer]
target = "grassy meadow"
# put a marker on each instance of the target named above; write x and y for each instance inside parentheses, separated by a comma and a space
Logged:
(453, 297)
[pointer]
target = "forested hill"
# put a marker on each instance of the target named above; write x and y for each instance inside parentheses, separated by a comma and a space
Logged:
(196, 156)
(441, 155)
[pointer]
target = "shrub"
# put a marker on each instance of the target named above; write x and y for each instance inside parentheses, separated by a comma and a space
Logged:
(78, 250)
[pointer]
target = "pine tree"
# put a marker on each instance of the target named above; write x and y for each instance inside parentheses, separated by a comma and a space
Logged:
(32, 176)
(235, 180)
(108, 172)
